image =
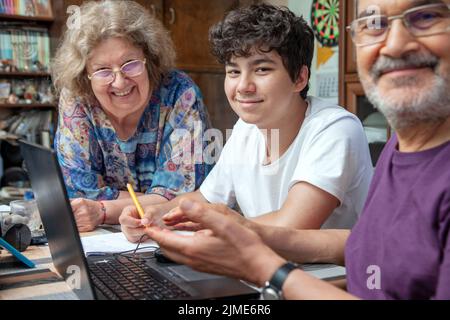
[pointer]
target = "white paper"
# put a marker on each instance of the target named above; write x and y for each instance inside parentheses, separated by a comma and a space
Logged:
(112, 242)
(5, 208)
(116, 242)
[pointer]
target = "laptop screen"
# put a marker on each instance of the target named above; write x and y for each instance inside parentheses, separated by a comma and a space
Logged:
(57, 217)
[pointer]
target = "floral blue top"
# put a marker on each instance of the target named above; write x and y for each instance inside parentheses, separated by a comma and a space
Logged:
(97, 165)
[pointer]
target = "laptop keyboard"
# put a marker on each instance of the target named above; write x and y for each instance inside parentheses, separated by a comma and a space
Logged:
(128, 278)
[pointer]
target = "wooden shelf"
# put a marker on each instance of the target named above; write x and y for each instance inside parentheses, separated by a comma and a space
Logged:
(14, 17)
(24, 74)
(25, 105)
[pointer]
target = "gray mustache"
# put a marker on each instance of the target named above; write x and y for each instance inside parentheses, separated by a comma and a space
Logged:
(386, 64)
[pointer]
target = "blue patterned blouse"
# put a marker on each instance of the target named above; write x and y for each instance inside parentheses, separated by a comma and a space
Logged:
(97, 165)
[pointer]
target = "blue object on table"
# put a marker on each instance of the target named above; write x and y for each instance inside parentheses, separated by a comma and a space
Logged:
(16, 253)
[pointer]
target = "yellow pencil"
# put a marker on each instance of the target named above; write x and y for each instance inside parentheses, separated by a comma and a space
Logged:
(135, 200)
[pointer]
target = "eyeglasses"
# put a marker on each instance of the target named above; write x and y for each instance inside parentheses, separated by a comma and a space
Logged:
(420, 21)
(130, 69)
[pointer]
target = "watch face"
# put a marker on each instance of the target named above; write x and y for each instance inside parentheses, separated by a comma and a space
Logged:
(269, 293)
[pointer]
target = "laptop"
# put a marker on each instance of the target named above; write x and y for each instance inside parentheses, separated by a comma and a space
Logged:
(111, 276)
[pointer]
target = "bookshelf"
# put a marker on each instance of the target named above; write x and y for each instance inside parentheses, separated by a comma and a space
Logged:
(30, 106)
(24, 74)
(16, 17)
(27, 105)
(27, 8)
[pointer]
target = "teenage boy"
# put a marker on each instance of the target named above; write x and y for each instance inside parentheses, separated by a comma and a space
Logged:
(292, 160)
(400, 246)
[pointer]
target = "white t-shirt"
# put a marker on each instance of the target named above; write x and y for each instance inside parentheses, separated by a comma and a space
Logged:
(330, 152)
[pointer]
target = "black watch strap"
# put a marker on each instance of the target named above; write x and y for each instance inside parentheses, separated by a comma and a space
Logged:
(281, 274)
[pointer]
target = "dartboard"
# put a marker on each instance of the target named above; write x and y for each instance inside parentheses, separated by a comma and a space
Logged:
(325, 21)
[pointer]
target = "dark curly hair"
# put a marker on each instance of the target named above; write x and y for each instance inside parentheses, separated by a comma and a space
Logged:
(265, 28)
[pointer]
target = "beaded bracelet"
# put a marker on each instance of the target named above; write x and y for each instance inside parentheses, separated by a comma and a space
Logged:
(104, 212)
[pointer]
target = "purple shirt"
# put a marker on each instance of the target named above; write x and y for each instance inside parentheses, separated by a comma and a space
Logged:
(400, 247)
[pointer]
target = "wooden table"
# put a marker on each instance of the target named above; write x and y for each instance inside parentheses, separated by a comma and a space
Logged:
(17, 282)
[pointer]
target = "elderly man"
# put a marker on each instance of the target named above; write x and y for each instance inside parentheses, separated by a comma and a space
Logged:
(400, 247)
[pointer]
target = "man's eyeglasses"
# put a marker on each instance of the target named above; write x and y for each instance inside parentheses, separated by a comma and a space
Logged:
(130, 69)
(421, 21)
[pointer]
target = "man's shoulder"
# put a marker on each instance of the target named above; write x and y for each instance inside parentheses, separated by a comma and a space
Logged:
(440, 164)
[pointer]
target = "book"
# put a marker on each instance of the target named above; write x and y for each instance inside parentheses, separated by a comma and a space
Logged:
(10, 6)
(34, 8)
(27, 47)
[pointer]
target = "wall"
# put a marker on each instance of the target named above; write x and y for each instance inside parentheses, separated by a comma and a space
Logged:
(331, 67)
(303, 7)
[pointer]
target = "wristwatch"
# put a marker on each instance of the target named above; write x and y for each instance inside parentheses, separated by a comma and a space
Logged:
(273, 288)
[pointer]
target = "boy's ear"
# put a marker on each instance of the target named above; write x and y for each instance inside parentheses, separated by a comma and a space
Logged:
(302, 79)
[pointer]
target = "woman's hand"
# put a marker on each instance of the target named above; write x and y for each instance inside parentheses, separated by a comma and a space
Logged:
(88, 214)
(132, 226)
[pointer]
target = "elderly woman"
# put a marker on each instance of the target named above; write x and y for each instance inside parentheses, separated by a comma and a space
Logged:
(121, 105)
